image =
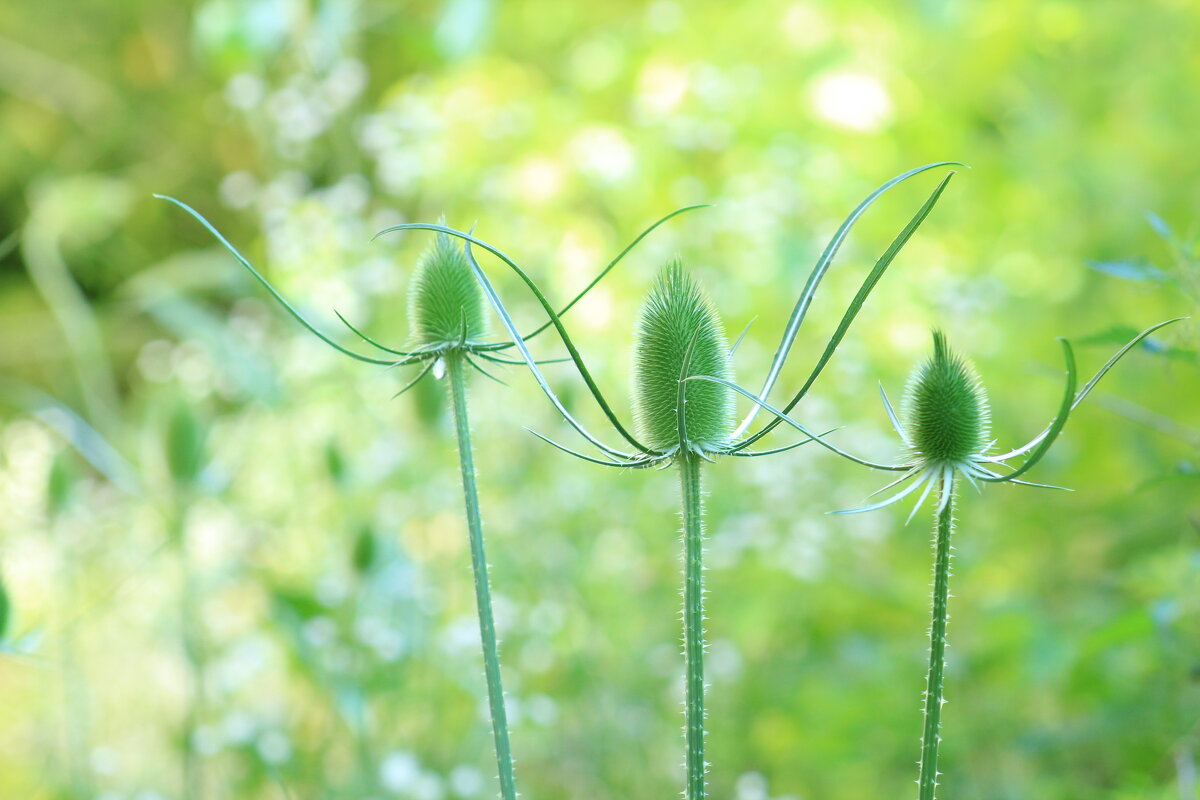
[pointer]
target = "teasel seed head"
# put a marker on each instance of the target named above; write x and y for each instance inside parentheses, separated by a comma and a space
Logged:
(945, 410)
(445, 303)
(676, 313)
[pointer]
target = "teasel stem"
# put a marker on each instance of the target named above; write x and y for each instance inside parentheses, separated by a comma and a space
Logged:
(931, 737)
(483, 599)
(693, 624)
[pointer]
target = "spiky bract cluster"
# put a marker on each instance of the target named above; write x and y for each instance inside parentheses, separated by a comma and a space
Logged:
(445, 303)
(676, 313)
(946, 415)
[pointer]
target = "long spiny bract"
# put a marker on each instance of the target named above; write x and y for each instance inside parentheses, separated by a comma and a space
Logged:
(675, 314)
(445, 303)
(945, 408)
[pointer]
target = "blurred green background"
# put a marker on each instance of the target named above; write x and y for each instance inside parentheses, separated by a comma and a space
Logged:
(169, 440)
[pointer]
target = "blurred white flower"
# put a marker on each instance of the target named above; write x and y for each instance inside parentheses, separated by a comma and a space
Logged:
(852, 100)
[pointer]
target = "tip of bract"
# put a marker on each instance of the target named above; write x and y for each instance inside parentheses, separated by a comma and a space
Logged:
(945, 407)
(445, 303)
(675, 314)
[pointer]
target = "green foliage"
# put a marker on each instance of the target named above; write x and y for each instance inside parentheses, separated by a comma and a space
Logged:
(5, 610)
(60, 484)
(676, 320)
(365, 555)
(945, 408)
(335, 463)
(185, 445)
(445, 304)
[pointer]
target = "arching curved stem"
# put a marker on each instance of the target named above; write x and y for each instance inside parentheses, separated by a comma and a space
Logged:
(851, 313)
(779, 415)
(1071, 401)
(818, 272)
(483, 597)
(267, 285)
(368, 339)
(1046, 439)
(931, 738)
(614, 263)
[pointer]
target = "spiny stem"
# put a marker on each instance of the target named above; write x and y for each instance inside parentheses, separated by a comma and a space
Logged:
(483, 599)
(693, 624)
(931, 738)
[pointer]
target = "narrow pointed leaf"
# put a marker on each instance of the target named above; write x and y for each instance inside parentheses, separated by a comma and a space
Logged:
(782, 417)
(267, 285)
(814, 281)
(614, 263)
(368, 339)
(859, 299)
(1060, 420)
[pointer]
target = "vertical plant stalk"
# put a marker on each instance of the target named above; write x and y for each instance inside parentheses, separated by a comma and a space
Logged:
(693, 624)
(193, 648)
(76, 700)
(931, 737)
(483, 598)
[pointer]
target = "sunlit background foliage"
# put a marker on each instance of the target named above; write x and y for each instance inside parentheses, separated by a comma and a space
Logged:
(166, 433)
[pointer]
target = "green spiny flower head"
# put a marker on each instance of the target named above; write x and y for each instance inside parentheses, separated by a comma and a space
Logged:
(946, 413)
(445, 303)
(676, 313)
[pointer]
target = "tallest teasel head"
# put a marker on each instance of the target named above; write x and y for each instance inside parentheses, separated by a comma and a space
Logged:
(678, 318)
(445, 303)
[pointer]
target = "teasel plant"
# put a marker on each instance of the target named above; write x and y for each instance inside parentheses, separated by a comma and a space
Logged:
(944, 426)
(449, 330)
(683, 423)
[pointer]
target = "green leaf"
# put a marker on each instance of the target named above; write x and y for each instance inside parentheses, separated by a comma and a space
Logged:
(60, 484)
(822, 266)
(1160, 226)
(233, 251)
(1120, 334)
(1140, 271)
(186, 437)
(852, 310)
(5, 611)
(335, 463)
(366, 550)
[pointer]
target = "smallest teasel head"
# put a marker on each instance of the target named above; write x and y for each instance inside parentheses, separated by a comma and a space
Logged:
(947, 422)
(445, 305)
(445, 302)
(945, 409)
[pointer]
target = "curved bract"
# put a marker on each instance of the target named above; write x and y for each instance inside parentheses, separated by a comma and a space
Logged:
(445, 304)
(647, 453)
(679, 332)
(948, 410)
(445, 301)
